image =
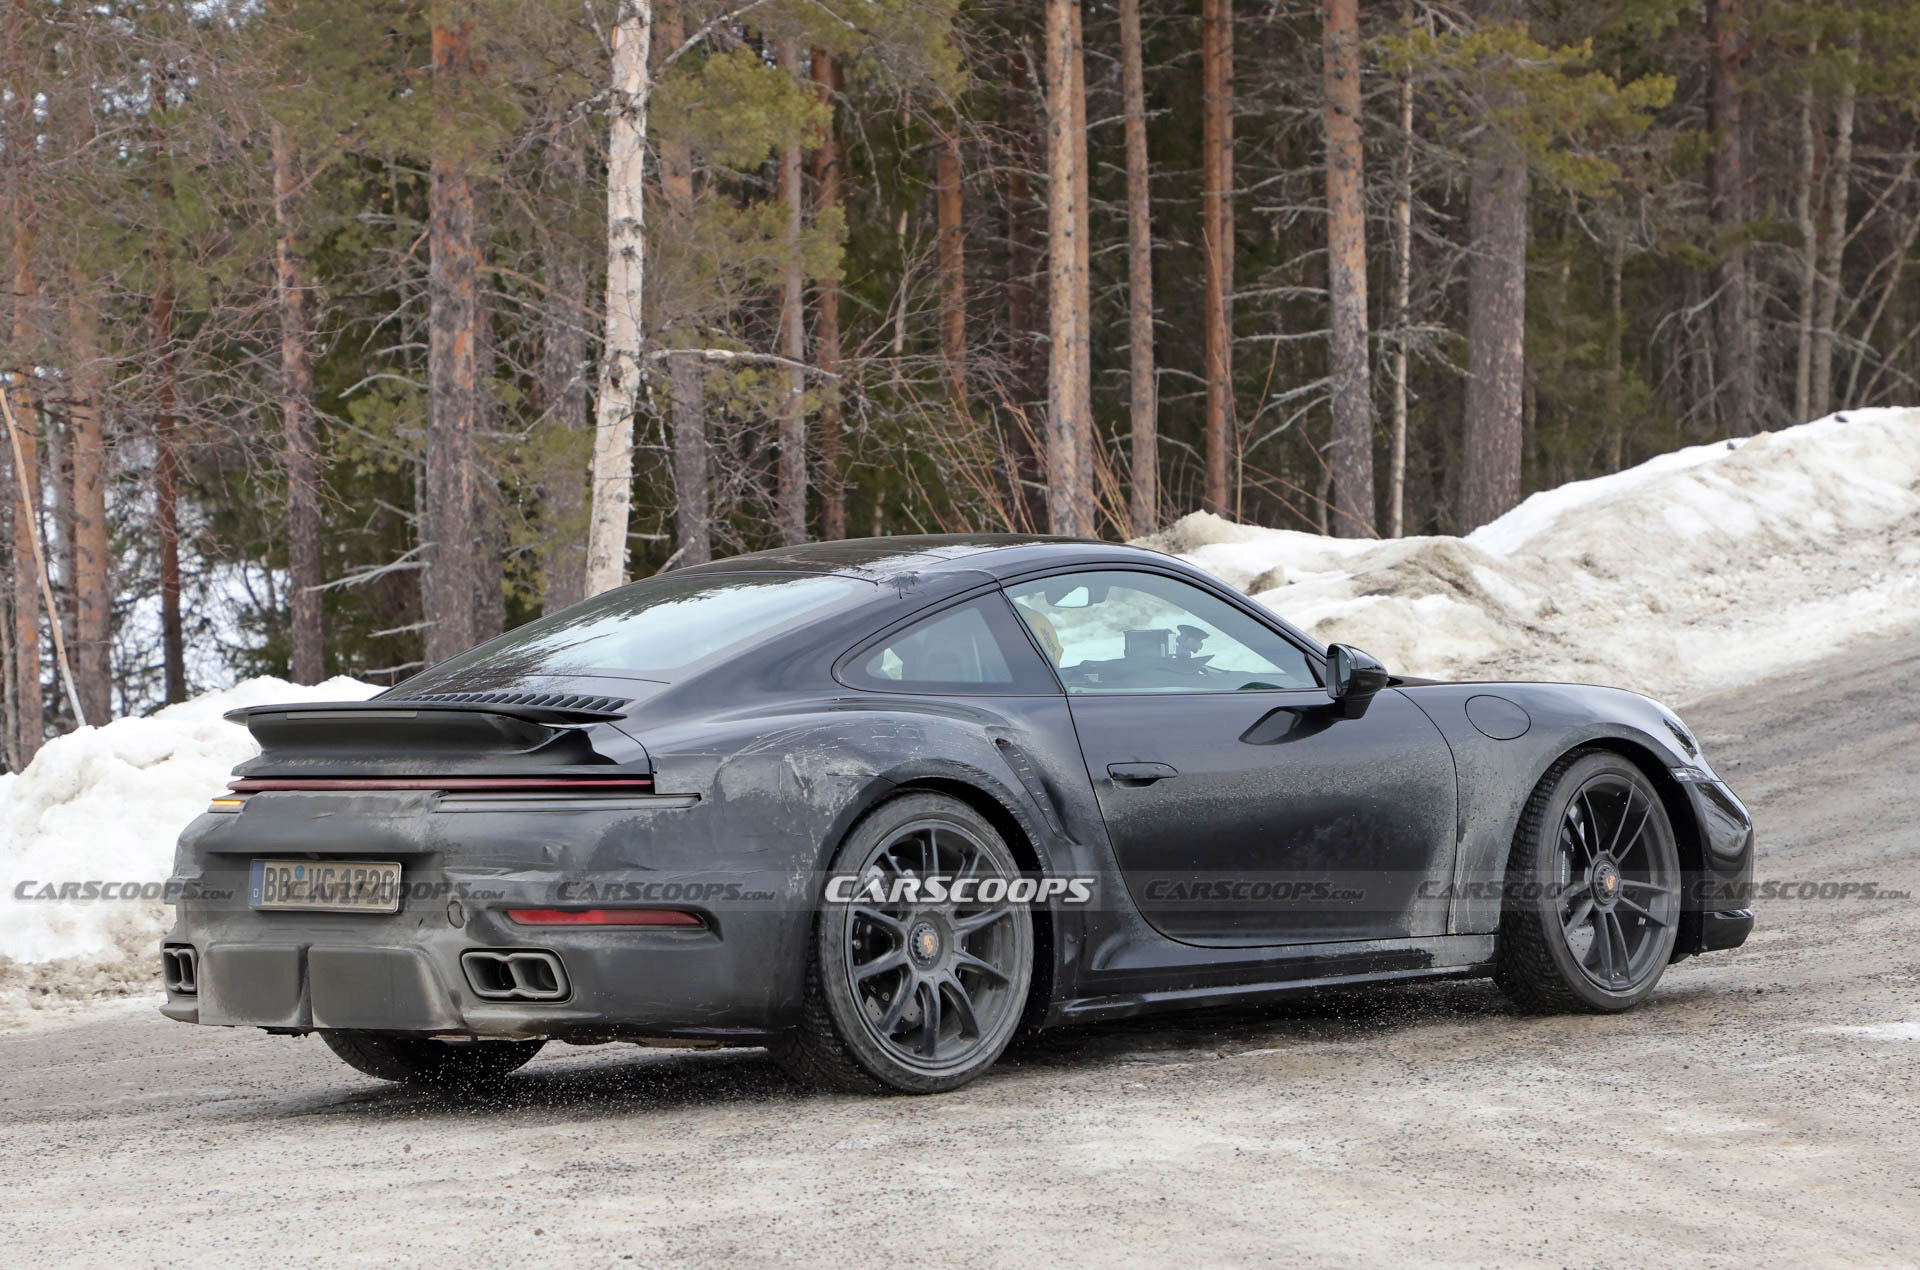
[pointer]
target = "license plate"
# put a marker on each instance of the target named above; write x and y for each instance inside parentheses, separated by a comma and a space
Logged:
(328, 886)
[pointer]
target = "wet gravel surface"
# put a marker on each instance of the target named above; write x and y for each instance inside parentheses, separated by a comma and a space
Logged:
(1761, 1107)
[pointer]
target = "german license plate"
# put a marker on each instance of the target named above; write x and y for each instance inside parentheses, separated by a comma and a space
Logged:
(326, 886)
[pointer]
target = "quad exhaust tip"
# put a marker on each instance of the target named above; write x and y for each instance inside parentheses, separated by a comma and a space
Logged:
(515, 974)
(180, 968)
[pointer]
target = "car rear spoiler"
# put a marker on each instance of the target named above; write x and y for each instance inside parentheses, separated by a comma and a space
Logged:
(547, 734)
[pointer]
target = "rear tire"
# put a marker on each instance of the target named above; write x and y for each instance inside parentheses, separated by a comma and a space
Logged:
(462, 1066)
(1593, 903)
(913, 997)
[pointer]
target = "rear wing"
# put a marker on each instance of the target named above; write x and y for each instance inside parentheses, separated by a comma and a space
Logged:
(531, 734)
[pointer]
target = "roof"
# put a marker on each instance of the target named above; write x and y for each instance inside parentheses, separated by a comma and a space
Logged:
(880, 558)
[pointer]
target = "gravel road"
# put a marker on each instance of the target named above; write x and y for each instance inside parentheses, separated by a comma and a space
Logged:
(1760, 1108)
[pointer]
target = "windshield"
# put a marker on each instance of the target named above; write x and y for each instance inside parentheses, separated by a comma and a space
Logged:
(647, 628)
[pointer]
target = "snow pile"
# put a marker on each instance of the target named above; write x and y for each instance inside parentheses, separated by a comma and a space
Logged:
(1685, 575)
(106, 804)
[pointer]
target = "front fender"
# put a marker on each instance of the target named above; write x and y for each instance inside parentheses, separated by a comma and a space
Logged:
(1498, 774)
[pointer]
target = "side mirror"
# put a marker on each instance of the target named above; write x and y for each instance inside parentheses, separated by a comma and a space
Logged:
(1353, 678)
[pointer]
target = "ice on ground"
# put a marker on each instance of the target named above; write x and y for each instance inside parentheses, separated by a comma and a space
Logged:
(105, 804)
(1688, 574)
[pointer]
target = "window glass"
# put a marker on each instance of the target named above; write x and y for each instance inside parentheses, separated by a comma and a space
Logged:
(661, 624)
(1113, 631)
(971, 648)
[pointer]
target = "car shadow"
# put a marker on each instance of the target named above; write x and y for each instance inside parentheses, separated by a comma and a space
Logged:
(1308, 1019)
(618, 1080)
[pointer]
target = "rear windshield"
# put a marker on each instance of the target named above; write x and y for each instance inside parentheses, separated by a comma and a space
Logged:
(659, 625)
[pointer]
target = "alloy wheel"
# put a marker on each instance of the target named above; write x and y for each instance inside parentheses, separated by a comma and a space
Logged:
(933, 982)
(1616, 892)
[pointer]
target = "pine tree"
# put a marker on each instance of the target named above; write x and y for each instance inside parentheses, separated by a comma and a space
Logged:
(1351, 383)
(1217, 232)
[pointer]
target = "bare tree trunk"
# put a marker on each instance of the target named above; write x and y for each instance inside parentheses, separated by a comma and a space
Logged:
(950, 210)
(1066, 157)
(29, 712)
(166, 473)
(1216, 228)
(1496, 329)
(1086, 448)
(302, 458)
(1145, 509)
(686, 380)
(1352, 377)
(1727, 211)
(619, 395)
(29, 528)
(56, 476)
(23, 670)
(450, 518)
(9, 688)
(490, 537)
(93, 600)
(1025, 284)
(166, 491)
(1833, 245)
(829, 175)
(564, 395)
(793, 335)
(1809, 255)
(1402, 308)
(1616, 336)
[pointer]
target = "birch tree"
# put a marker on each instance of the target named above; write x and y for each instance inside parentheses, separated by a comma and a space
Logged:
(620, 376)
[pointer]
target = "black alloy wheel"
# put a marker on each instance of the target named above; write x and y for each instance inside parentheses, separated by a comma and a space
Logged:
(1594, 899)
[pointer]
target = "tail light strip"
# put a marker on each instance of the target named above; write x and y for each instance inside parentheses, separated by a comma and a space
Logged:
(605, 917)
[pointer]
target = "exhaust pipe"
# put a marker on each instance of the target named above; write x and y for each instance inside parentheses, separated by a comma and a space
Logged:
(515, 974)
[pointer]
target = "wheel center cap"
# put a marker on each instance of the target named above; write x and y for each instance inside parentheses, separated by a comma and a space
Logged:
(924, 942)
(1606, 883)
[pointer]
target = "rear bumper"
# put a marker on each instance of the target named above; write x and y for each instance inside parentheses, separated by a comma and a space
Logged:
(738, 976)
(716, 983)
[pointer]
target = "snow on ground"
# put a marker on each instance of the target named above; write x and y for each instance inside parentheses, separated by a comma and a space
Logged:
(1691, 573)
(106, 804)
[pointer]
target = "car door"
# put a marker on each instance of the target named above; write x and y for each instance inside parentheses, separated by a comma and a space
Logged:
(1243, 809)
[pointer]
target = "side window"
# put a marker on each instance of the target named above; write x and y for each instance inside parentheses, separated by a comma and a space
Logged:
(1111, 631)
(974, 649)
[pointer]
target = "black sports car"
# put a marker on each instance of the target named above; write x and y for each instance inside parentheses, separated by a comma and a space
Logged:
(880, 804)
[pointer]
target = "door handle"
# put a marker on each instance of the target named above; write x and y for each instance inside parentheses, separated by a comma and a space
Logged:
(1140, 773)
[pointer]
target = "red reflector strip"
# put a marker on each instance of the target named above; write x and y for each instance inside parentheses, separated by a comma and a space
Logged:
(604, 917)
(449, 784)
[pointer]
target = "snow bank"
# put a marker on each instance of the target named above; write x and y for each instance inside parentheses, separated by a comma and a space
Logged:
(106, 803)
(1685, 575)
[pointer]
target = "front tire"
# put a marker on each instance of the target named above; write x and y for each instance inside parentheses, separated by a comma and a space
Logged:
(908, 995)
(1593, 905)
(461, 1066)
